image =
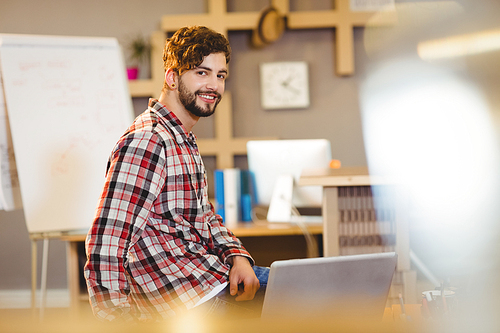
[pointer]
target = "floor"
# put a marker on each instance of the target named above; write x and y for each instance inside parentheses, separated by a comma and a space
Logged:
(61, 320)
(53, 320)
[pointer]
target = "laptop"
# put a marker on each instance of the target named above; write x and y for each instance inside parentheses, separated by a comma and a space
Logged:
(332, 288)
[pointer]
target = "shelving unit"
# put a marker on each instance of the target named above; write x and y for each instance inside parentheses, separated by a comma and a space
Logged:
(342, 220)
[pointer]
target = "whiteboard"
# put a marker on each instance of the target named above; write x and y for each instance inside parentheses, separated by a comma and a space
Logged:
(68, 103)
(10, 193)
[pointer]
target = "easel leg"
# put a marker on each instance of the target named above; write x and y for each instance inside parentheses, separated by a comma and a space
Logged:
(33, 275)
(43, 286)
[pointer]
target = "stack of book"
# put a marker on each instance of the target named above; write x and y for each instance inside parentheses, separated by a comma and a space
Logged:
(367, 220)
(234, 195)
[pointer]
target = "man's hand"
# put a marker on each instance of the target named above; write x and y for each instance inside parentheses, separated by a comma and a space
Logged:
(242, 274)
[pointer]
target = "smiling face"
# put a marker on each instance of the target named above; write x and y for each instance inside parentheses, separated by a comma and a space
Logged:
(201, 88)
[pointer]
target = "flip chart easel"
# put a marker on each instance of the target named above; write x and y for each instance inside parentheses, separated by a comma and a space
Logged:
(68, 102)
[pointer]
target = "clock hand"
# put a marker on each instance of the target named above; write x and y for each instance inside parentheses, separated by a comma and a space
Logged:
(286, 85)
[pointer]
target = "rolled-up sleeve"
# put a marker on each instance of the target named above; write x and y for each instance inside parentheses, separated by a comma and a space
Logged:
(135, 177)
(226, 244)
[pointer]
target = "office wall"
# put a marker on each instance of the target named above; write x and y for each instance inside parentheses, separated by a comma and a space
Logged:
(334, 113)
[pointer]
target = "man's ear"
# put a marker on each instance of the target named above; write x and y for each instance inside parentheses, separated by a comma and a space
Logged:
(171, 78)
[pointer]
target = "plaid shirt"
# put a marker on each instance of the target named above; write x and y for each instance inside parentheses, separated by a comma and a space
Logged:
(156, 247)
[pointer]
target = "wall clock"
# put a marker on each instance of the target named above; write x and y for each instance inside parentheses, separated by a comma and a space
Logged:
(284, 85)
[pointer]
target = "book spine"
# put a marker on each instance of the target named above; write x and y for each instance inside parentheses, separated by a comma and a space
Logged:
(232, 196)
(246, 196)
(219, 193)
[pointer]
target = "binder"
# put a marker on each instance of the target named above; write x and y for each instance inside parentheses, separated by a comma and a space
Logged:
(232, 196)
(219, 193)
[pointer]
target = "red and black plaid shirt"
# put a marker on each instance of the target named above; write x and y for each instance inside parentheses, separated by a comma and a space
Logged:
(156, 246)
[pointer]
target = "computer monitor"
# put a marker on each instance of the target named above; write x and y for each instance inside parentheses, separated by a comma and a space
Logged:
(268, 160)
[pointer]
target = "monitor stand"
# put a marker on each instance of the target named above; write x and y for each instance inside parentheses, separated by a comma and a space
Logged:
(280, 207)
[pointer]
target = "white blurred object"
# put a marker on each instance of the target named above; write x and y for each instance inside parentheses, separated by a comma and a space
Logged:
(431, 131)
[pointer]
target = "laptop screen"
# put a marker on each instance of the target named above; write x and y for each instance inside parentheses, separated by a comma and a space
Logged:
(342, 287)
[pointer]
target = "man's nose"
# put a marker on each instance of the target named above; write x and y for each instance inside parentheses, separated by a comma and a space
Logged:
(212, 83)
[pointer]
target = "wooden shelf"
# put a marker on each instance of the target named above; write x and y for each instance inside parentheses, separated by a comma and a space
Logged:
(352, 176)
(141, 88)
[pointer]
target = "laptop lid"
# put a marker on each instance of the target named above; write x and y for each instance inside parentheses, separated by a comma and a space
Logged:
(343, 288)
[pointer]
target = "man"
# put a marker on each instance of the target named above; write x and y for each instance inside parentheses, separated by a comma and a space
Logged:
(156, 247)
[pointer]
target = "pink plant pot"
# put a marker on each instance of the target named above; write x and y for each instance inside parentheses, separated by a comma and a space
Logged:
(132, 73)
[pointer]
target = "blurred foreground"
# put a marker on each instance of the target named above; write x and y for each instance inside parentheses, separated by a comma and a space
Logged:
(62, 320)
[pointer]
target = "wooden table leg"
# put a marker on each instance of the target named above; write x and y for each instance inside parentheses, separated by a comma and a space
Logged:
(330, 222)
(73, 272)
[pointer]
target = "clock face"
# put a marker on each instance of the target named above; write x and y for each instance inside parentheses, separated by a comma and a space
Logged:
(284, 85)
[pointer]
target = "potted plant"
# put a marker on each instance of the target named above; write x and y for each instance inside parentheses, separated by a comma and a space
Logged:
(138, 53)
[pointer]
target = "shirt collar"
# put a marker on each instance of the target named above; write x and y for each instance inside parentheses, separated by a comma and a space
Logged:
(171, 121)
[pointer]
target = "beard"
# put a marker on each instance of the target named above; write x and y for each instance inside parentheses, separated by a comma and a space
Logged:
(188, 99)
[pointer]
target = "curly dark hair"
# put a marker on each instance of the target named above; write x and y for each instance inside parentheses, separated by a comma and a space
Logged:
(187, 48)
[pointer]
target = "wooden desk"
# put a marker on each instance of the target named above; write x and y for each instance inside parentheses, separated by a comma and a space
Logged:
(332, 180)
(243, 230)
